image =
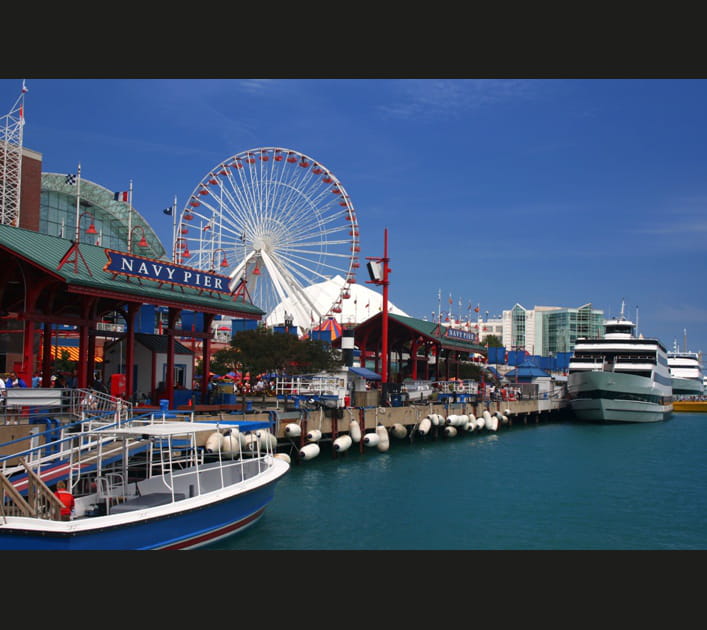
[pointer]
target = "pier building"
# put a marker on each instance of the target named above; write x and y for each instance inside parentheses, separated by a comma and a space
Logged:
(72, 254)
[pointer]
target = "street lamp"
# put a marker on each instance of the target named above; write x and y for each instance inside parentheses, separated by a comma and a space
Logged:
(224, 261)
(91, 229)
(141, 243)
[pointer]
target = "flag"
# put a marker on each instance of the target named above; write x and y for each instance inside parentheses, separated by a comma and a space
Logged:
(168, 211)
(120, 196)
(70, 179)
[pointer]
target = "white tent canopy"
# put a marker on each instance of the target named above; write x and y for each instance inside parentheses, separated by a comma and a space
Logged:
(362, 304)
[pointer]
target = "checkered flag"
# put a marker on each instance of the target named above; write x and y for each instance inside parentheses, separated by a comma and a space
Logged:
(70, 179)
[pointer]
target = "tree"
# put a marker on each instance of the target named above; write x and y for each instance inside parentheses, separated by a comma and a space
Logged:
(64, 365)
(262, 351)
(492, 341)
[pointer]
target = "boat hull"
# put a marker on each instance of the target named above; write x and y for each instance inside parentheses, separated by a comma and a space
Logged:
(186, 524)
(690, 406)
(612, 398)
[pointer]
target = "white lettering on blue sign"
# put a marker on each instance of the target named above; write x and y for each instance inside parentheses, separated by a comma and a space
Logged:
(460, 334)
(159, 271)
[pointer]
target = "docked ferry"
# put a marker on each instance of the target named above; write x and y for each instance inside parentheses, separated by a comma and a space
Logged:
(686, 372)
(620, 377)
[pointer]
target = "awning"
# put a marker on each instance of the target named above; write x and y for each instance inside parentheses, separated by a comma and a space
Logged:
(365, 372)
(73, 353)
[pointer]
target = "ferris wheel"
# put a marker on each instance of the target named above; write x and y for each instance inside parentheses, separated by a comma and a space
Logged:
(275, 221)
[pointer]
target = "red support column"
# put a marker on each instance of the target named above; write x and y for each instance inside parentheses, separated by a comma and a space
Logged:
(413, 357)
(206, 352)
(169, 377)
(130, 350)
(47, 355)
(82, 375)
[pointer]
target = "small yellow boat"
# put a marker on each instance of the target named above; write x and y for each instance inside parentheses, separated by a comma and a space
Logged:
(693, 406)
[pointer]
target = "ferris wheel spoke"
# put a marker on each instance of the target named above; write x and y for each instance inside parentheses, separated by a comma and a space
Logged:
(290, 290)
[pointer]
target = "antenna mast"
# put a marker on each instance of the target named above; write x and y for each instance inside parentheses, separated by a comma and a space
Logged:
(11, 137)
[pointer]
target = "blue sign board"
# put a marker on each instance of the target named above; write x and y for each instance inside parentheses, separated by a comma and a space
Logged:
(462, 335)
(161, 271)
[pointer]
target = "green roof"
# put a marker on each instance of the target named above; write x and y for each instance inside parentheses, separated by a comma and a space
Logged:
(430, 329)
(47, 251)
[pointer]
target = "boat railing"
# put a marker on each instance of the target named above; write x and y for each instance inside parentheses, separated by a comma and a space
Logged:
(39, 502)
(37, 404)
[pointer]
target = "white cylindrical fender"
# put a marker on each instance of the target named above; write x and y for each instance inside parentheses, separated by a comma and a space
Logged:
(398, 431)
(355, 431)
(214, 442)
(309, 451)
(491, 421)
(450, 431)
(293, 430)
(314, 435)
(342, 443)
(250, 441)
(371, 439)
(266, 440)
(504, 419)
(424, 426)
(231, 443)
(451, 420)
(481, 421)
(506, 412)
(463, 420)
(283, 456)
(383, 438)
(436, 419)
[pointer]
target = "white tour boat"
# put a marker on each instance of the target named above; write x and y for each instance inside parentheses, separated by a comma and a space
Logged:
(620, 377)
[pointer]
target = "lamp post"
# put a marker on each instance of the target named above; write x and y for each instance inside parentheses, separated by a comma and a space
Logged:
(91, 229)
(224, 260)
(141, 243)
(379, 275)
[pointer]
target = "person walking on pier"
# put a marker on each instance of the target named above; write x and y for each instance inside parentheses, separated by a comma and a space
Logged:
(15, 381)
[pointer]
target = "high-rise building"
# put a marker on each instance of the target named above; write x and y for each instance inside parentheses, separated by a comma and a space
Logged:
(548, 330)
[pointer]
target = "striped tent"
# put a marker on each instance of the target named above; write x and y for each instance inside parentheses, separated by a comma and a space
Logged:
(328, 330)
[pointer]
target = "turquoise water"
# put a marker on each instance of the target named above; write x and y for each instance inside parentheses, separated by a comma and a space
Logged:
(554, 485)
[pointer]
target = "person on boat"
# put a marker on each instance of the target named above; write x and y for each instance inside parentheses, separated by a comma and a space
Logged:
(67, 500)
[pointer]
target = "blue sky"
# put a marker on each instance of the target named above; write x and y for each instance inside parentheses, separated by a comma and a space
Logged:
(547, 192)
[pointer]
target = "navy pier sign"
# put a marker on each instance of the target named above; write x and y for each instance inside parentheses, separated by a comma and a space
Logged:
(463, 335)
(164, 272)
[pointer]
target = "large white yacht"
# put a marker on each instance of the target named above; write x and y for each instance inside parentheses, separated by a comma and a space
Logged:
(620, 377)
(686, 372)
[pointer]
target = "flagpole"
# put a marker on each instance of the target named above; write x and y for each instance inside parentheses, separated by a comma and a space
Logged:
(130, 218)
(174, 230)
(78, 197)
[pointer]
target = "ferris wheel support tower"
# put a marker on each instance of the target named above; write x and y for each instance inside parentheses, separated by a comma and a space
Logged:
(11, 132)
